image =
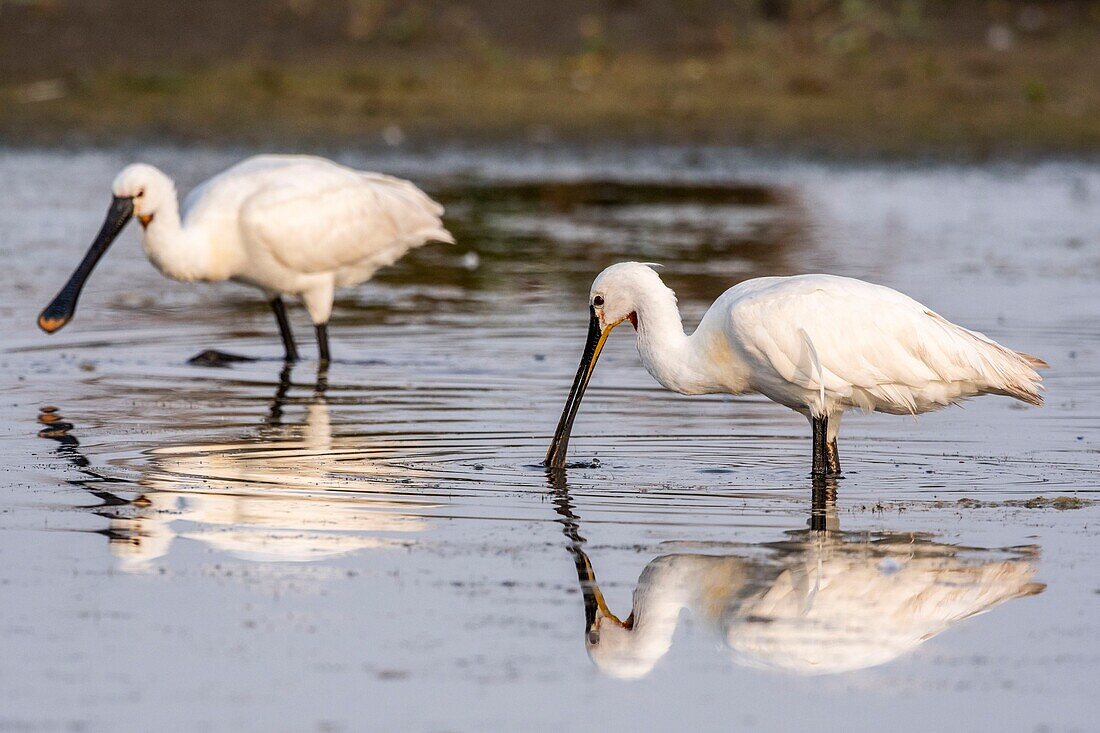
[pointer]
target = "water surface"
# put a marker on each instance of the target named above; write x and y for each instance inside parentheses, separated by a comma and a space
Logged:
(374, 546)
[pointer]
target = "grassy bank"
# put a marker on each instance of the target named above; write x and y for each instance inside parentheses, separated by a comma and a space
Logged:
(985, 89)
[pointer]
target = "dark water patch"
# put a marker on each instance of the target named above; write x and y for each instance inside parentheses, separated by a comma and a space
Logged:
(565, 196)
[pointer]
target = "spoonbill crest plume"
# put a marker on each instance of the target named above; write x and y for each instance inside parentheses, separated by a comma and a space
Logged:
(818, 344)
(289, 225)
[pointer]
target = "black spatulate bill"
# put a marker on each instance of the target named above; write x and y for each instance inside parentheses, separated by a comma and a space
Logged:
(61, 309)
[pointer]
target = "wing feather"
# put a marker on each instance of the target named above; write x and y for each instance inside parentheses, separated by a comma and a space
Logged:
(876, 348)
(321, 219)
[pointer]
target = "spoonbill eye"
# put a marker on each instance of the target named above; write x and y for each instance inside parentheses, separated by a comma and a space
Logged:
(139, 194)
(597, 301)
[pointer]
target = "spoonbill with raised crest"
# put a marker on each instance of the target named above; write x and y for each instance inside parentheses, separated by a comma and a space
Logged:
(289, 225)
(818, 344)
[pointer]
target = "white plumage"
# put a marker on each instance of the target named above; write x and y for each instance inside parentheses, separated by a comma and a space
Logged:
(860, 346)
(314, 217)
(818, 344)
(289, 225)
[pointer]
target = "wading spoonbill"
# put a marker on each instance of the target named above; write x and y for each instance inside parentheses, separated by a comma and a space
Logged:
(818, 344)
(289, 225)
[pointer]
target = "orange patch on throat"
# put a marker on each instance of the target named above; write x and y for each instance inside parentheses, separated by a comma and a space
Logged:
(145, 219)
(633, 318)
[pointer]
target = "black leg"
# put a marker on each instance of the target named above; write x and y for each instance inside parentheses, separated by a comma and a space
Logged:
(832, 458)
(322, 341)
(821, 445)
(284, 328)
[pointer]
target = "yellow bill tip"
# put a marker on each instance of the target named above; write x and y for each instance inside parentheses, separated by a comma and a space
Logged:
(49, 325)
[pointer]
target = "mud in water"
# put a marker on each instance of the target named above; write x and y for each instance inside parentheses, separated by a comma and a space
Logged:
(373, 546)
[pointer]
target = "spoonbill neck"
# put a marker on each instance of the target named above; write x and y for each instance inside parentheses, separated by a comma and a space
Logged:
(180, 252)
(679, 362)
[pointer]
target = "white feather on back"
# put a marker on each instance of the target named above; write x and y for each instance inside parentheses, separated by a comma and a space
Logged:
(321, 219)
(875, 348)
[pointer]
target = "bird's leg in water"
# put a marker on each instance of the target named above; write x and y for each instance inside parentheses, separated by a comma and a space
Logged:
(284, 328)
(823, 512)
(832, 458)
(322, 341)
(826, 454)
(821, 444)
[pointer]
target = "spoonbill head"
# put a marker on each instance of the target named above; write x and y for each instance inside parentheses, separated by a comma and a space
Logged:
(291, 226)
(138, 189)
(818, 344)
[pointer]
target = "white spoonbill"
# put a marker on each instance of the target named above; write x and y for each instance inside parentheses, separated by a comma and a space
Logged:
(289, 225)
(818, 344)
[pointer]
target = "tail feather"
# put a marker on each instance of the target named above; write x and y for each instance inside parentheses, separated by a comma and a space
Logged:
(1025, 393)
(1018, 377)
(1006, 372)
(441, 234)
(1034, 361)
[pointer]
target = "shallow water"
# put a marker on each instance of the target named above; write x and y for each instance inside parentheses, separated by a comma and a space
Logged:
(375, 547)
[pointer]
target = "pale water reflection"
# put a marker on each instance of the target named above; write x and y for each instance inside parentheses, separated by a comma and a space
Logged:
(292, 492)
(817, 601)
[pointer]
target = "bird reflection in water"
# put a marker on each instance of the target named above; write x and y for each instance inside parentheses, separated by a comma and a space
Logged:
(819, 601)
(293, 493)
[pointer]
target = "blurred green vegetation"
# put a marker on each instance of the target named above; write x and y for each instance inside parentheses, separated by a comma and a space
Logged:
(901, 76)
